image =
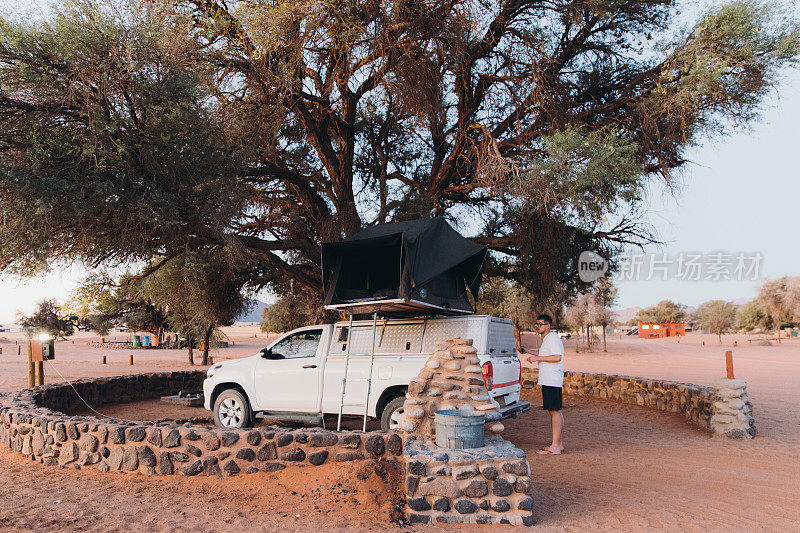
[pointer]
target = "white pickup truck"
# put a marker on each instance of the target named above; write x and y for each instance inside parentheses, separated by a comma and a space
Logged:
(301, 374)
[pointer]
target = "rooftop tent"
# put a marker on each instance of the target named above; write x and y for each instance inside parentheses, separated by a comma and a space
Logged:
(409, 268)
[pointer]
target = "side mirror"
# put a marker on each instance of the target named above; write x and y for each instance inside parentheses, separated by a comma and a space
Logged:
(266, 353)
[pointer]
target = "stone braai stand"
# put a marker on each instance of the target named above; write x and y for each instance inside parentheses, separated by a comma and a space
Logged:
(488, 485)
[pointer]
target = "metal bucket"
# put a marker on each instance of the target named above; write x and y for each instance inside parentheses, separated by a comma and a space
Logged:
(456, 429)
(137, 341)
(146, 341)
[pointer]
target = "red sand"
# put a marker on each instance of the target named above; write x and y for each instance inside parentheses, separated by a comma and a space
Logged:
(626, 467)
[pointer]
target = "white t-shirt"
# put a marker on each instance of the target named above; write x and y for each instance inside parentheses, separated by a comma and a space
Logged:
(551, 374)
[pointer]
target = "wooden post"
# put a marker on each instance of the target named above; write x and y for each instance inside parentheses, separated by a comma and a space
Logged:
(131, 359)
(19, 349)
(729, 364)
(31, 367)
(104, 359)
(40, 364)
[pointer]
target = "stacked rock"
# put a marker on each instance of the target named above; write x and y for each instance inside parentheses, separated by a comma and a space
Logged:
(489, 485)
(452, 379)
(733, 412)
(725, 409)
(29, 425)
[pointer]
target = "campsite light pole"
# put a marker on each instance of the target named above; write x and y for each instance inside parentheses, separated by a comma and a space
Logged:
(38, 351)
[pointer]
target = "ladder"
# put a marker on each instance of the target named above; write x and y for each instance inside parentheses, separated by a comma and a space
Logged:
(368, 379)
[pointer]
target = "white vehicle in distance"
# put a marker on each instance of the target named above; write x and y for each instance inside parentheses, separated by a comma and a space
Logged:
(299, 376)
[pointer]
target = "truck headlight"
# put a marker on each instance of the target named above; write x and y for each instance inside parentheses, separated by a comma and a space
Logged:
(213, 370)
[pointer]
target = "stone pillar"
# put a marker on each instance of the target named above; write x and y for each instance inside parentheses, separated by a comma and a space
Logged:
(732, 411)
(452, 379)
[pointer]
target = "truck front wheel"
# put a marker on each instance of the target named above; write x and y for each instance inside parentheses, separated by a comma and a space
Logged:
(232, 410)
(390, 418)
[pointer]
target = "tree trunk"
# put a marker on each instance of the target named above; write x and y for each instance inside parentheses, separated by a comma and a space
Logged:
(604, 338)
(191, 353)
(588, 339)
(719, 336)
(206, 343)
(517, 336)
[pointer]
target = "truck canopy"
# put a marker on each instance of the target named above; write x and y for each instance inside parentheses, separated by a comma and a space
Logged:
(403, 269)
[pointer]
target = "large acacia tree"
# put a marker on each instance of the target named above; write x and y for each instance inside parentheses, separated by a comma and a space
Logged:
(143, 131)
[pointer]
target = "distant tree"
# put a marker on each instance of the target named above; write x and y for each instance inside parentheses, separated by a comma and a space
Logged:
(793, 298)
(751, 316)
(294, 309)
(502, 298)
(663, 311)
(92, 301)
(202, 293)
(604, 296)
(716, 316)
(102, 303)
(47, 318)
(772, 298)
(579, 316)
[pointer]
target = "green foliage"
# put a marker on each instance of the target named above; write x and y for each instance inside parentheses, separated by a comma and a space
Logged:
(102, 303)
(151, 132)
(293, 310)
(110, 152)
(780, 300)
(201, 293)
(47, 318)
(663, 311)
(751, 316)
(716, 316)
(586, 174)
(503, 299)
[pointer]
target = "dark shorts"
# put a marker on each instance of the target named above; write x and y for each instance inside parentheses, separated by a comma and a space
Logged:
(551, 398)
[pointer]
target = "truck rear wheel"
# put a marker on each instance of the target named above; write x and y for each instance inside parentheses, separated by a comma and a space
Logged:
(390, 418)
(232, 410)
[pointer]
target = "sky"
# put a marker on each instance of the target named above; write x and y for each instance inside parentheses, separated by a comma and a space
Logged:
(737, 198)
(739, 195)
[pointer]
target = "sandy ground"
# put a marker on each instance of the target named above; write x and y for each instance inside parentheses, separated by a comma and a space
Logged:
(626, 467)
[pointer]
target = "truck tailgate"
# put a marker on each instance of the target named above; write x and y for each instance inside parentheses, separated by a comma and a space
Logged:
(505, 380)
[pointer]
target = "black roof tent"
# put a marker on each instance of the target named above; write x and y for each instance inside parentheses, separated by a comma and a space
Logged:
(414, 268)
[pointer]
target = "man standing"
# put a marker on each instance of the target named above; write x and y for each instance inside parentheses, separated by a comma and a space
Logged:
(551, 378)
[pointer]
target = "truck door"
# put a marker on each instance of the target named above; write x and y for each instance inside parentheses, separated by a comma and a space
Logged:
(287, 376)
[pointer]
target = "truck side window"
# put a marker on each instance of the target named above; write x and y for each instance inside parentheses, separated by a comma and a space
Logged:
(299, 345)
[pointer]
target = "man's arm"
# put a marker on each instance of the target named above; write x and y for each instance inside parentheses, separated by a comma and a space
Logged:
(555, 358)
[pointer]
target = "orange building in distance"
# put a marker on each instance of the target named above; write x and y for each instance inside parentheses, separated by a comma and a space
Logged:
(659, 330)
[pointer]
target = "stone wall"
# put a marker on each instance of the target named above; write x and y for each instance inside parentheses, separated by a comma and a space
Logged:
(488, 485)
(33, 422)
(724, 411)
